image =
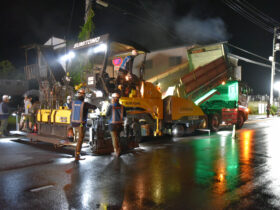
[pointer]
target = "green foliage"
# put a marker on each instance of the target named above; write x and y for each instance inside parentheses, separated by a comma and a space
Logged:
(8, 71)
(81, 64)
(88, 29)
(273, 110)
(253, 109)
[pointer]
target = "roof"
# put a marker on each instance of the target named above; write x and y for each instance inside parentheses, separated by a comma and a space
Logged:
(56, 43)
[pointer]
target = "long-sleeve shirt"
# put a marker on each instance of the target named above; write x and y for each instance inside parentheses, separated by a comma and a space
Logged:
(4, 110)
(127, 63)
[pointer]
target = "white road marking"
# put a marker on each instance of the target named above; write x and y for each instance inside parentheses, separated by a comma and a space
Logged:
(41, 188)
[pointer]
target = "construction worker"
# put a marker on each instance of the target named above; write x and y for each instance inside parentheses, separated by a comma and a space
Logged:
(4, 115)
(125, 72)
(127, 63)
(68, 103)
(116, 113)
(268, 108)
(79, 119)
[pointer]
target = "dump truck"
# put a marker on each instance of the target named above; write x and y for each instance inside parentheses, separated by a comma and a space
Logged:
(210, 79)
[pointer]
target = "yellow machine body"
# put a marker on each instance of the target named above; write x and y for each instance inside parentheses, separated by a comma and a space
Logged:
(148, 100)
(43, 115)
(60, 116)
(177, 108)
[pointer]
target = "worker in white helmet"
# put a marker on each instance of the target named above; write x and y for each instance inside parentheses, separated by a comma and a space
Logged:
(116, 113)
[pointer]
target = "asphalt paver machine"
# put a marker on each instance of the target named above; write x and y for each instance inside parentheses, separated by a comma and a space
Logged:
(102, 58)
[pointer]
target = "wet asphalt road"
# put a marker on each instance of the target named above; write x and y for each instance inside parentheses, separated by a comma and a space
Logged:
(197, 172)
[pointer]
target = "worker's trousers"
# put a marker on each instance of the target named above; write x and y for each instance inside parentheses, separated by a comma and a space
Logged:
(116, 141)
(81, 129)
(4, 127)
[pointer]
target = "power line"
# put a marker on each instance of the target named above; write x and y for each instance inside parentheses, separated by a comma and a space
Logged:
(238, 48)
(237, 8)
(259, 13)
(251, 61)
(246, 51)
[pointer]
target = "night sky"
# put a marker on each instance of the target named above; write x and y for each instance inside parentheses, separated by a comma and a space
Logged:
(155, 24)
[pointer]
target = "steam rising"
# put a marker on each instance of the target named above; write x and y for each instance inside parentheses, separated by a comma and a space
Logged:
(195, 30)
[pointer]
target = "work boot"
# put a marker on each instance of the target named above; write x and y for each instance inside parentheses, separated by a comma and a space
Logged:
(117, 152)
(77, 158)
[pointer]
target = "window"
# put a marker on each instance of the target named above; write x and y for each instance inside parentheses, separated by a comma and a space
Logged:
(175, 60)
(149, 64)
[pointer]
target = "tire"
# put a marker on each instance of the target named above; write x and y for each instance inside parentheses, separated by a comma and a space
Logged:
(214, 122)
(240, 121)
(178, 130)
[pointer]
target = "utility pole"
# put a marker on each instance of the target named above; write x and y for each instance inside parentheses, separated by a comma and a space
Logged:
(273, 66)
(275, 47)
(88, 5)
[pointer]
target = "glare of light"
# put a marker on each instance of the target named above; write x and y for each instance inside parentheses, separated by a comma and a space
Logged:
(223, 82)
(67, 56)
(223, 143)
(175, 131)
(99, 94)
(126, 77)
(14, 114)
(104, 106)
(97, 49)
(221, 177)
(205, 96)
(170, 91)
(100, 48)
(224, 133)
(276, 86)
(142, 89)
(223, 123)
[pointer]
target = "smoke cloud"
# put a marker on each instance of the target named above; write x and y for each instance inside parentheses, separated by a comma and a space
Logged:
(194, 30)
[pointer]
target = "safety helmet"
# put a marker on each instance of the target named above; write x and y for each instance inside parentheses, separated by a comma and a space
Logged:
(81, 92)
(115, 95)
(69, 97)
(134, 52)
(5, 97)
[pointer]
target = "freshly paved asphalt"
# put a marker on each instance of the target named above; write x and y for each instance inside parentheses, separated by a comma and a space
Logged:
(194, 172)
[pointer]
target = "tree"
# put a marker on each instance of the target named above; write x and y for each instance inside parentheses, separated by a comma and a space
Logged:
(87, 29)
(9, 71)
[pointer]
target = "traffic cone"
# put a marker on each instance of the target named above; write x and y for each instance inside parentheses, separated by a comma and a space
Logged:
(233, 132)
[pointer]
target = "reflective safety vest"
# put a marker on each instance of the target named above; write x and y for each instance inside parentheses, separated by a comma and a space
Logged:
(125, 62)
(117, 114)
(77, 111)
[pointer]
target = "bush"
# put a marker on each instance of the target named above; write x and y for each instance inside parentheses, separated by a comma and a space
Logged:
(253, 109)
(273, 110)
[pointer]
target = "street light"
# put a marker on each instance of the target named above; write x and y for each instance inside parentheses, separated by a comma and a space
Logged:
(67, 56)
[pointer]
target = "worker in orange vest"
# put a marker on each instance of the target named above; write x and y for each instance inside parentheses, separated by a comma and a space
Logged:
(116, 113)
